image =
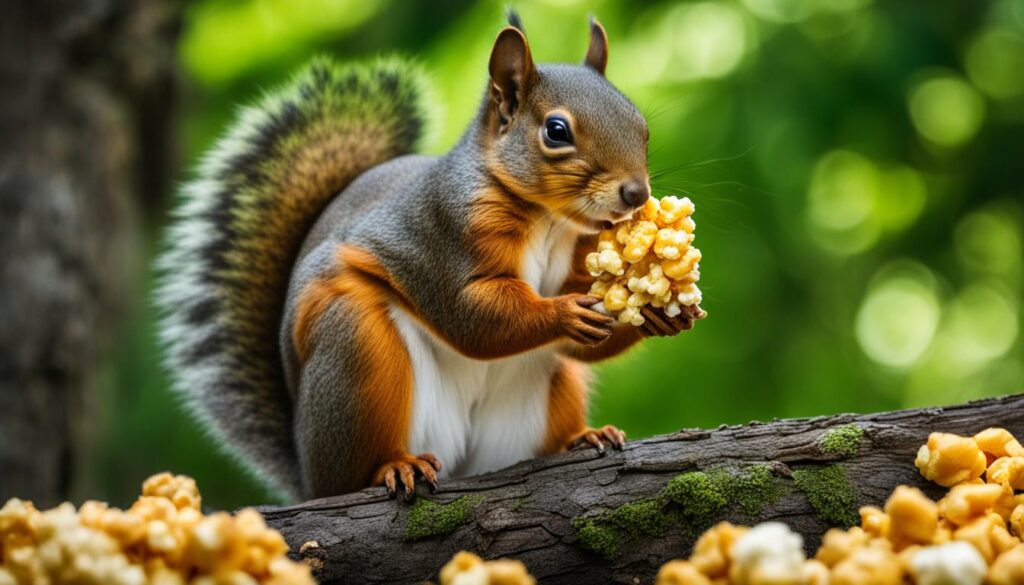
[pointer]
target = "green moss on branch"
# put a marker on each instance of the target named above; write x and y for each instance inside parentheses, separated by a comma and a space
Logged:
(830, 493)
(692, 501)
(843, 441)
(428, 519)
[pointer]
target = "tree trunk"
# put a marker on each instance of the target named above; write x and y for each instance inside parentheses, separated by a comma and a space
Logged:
(583, 518)
(82, 82)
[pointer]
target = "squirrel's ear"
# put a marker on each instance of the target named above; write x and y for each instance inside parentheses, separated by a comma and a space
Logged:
(597, 53)
(511, 70)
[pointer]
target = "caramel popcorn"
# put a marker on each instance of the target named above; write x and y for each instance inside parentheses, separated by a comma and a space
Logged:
(1017, 521)
(966, 502)
(680, 573)
(1008, 471)
(913, 517)
(163, 539)
(466, 568)
(839, 544)
(970, 536)
(999, 443)
(816, 573)
(712, 551)
(870, 564)
(648, 261)
(1008, 569)
(874, 521)
(950, 459)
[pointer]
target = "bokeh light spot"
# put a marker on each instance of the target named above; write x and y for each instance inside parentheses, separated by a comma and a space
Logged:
(902, 197)
(709, 40)
(843, 188)
(990, 241)
(995, 63)
(982, 325)
(898, 318)
(946, 110)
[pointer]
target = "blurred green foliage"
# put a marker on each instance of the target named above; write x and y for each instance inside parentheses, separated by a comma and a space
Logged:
(857, 168)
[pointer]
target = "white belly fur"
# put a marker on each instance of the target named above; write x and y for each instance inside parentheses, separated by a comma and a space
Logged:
(478, 416)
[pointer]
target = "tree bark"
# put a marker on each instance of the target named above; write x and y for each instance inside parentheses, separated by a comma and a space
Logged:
(527, 512)
(78, 149)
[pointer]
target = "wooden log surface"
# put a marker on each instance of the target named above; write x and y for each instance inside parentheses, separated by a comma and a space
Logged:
(553, 513)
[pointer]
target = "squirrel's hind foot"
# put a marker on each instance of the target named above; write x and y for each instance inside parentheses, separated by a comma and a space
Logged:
(598, 438)
(405, 468)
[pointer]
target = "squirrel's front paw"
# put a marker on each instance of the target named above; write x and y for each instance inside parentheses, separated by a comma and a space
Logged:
(597, 438)
(405, 468)
(580, 322)
(658, 324)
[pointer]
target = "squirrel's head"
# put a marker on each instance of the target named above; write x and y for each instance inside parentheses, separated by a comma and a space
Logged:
(562, 136)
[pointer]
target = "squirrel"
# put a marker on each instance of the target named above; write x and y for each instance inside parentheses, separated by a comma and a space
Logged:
(343, 313)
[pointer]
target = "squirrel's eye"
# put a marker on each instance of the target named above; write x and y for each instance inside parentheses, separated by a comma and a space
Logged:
(556, 132)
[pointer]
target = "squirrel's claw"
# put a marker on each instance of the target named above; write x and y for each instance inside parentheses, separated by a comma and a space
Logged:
(597, 438)
(405, 469)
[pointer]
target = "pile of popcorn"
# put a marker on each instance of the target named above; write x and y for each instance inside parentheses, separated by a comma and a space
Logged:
(969, 537)
(163, 539)
(648, 261)
(468, 569)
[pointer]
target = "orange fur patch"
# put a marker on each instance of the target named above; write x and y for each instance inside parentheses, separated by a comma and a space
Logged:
(385, 378)
(498, 227)
(567, 406)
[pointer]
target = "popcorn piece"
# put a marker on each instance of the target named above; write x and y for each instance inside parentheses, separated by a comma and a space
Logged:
(913, 517)
(689, 296)
(1008, 569)
(605, 261)
(956, 563)
(616, 297)
(671, 209)
(508, 572)
(179, 489)
(838, 544)
(671, 244)
(1017, 521)
(874, 521)
(466, 568)
(988, 535)
(871, 564)
(950, 459)
(768, 553)
(999, 443)
(1008, 471)
(638, 243)
(680, 573)
(815, 573)
(683, 267)
(966, 502)
(651, 257)
(632, 316)
(711, 553)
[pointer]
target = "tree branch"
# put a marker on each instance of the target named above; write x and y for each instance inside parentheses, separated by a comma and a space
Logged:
(583, 518)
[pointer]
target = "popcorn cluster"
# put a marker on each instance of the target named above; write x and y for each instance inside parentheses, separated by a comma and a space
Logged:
(648, 260)
(971, 536)
(163, 539)
(468, 569)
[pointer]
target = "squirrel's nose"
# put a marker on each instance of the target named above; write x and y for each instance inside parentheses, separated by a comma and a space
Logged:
(634, 193)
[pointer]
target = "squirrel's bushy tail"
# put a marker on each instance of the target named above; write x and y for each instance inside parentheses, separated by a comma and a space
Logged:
(236, 234)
